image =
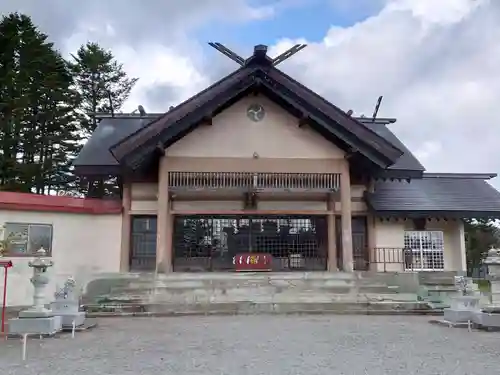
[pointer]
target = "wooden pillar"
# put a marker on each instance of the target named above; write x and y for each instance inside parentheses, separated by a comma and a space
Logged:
(332, 236)
(372, 254)
(345, 202)
(370, 224)
(164, 222)
(126, 227)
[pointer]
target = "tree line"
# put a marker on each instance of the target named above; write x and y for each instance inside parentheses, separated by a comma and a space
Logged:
(47, 106)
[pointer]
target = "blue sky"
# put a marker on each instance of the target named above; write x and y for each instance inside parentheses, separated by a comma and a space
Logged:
(309, 19)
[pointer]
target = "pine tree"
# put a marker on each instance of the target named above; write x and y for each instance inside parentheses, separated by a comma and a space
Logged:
(38, 106)
(101, 81)
(480, 236)
(103, 86)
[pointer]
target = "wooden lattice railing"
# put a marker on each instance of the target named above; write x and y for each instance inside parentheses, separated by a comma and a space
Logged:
(250, 180)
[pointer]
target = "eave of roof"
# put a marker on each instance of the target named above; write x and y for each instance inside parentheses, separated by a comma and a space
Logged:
(95, 158)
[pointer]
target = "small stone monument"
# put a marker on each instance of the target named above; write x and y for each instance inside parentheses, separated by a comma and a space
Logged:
(489, 316)
(465, 306)
(67, 305)
(37, 319)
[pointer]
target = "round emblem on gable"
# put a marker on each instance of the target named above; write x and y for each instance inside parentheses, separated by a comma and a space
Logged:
(256, 112)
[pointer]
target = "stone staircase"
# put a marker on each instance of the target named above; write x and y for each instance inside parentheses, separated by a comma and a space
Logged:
(249, 293)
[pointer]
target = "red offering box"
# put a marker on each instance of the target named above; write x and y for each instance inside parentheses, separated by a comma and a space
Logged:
(251, 262)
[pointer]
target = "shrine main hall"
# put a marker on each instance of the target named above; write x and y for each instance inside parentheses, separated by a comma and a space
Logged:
(259, 164)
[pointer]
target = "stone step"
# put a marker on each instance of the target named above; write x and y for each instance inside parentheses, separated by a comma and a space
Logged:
(225, 308)
(437, 278)
(201, 296)
(329, 288)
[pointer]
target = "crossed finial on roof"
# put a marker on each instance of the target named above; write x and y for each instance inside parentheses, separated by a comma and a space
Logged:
(259, 52)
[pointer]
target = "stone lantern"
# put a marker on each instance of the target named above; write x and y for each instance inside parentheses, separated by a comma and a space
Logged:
(37, 319)
(39, 280)
(493, 263)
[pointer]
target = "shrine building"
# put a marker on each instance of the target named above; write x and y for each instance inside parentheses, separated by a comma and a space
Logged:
(258, 163)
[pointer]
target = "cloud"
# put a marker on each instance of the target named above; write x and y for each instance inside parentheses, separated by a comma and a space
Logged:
(437, 63)
(153, 41)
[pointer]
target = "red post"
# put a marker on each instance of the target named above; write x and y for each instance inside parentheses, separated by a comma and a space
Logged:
(6, 265)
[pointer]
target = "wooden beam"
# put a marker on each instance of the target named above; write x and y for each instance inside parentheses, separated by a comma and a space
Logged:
(256, 88)
(252, 212)
(303, 120)
(160, 150)
(207, 120)
(350, 153)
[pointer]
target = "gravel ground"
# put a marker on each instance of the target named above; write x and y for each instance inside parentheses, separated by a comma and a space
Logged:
(271, 345)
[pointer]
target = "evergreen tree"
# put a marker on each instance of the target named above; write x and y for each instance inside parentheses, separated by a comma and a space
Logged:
(480, 236)
(101, 81)
(103, 86)
(38, 133)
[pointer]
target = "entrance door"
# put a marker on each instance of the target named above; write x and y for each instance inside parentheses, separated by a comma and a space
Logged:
(203, 243)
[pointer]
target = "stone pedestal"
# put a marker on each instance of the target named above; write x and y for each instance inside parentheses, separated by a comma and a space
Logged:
(489, 316)
(462, 310)
(67, 305)
(69, 311)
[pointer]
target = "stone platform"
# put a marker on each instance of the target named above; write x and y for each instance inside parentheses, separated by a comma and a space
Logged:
(254, 293)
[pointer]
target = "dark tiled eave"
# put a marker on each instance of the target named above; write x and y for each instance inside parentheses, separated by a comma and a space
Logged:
(437, 214)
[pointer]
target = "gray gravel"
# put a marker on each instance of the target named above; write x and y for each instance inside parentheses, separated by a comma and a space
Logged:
(237, 345)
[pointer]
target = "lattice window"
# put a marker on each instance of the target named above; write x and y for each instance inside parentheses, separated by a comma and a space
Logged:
(424, 250)
(143, 254)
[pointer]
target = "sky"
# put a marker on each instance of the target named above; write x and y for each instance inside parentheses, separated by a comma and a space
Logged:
(436, 62)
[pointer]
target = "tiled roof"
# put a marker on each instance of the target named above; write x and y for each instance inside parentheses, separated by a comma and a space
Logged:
(460, 195)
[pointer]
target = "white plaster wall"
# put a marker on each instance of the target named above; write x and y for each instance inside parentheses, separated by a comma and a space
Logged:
(82, 246)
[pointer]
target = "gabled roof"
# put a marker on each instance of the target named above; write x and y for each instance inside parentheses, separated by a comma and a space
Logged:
(445, 194)
(258, 75)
